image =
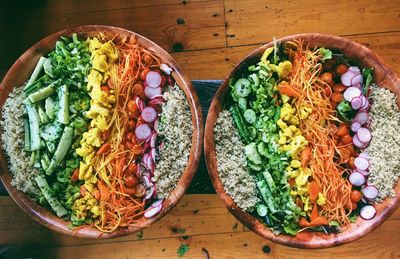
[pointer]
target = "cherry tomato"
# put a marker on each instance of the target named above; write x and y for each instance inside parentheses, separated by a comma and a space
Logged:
(351, 163)
(131, 124)
(130, 191)
(133, 110)
(147, 59)
(132, 167)
(339, 88)
(129, 144)
(355, 196)
(347, 139)
(342, 130)
(341, 69)
(144, 73)
(131, 181)
(328, 90)
(327, 77)
(337, 97)
(140, 190)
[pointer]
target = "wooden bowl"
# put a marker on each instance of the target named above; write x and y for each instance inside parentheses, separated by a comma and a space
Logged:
(383, 76)
(20, 72)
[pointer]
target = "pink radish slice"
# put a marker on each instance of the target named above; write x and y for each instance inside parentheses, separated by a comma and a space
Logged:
(157, 100)
(351, 93)
(357, 179)
(358, 79)
(364, 135)
(150, 192)
(166, 69)
(152, 211)
(156, 125)
(356, 103)
(354, 69)
(140, 170)
(146, 181)
(170, 80)
(362, 117)
(157, 203)
(361, 163)
(370, 192)
(143, 131)
(150, 92)
(357, 142)
(153, 79)
(365, 104)
(355, 126)
(149, 114)
(364, 155)
(347, 77)
(153, 140)
(368, 212)
(139, 103)
(363, 172)
(153, 154)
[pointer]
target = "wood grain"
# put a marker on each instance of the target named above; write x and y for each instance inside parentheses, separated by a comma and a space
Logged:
(193, 215)
(197, 63)
(233, 245)
(20, 72)
(257, 21)
(175, 27)
(383, 76)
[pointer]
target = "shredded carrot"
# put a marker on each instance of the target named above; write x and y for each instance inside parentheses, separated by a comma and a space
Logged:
(119, 208)
(317, 129)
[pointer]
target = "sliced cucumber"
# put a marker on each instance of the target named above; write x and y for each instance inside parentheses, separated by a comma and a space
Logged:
(242, 102)
(254, 166)
(250, 116)
(242, 87)
(262, 149)
(262, 210)
(251, 153)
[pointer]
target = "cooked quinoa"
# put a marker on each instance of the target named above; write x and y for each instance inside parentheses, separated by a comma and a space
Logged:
(384, 149)
(231, 161)
(13, 143)
(176, 130)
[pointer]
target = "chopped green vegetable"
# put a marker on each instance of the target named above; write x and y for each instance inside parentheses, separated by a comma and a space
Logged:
(36, 72)
(54, 203)
(34, 123)
(62, 149)
(182, 250)
(63, 113)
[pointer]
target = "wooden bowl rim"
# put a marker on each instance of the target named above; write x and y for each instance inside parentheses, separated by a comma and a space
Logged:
(46, 217)
(317, 240)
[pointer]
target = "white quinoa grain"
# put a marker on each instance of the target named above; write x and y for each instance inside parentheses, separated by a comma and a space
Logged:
(12, 137)
(231, 161)
(384, 149)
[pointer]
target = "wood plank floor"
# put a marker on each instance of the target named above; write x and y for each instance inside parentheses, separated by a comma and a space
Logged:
(207, 38)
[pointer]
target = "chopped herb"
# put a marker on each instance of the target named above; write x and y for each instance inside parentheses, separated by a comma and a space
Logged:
(182, 250)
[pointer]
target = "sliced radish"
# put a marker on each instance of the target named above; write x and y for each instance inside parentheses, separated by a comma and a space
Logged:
(357, 142)
(365, 103)
(364, 155)
(157, 203)
(149, 114)
(150, 192)
(364, 135)
(362, 117)
(156, 125)
(347, 77)
(153, 79)
(363, 172)
(351, 93)
(139, 103)
(170, 80)
(370, 192)
(368, 212)
(356, 178)
(357, 80)
(151, 92)
(355, 126)
(354, 69)
(166, 69)
(146, 181)
(153, 154)
(157, 100)
(356, 103)
(143, 131)
(361, 163)
(153, 140)
(152, 211)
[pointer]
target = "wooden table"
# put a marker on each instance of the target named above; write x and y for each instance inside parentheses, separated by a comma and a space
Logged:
(206, 38)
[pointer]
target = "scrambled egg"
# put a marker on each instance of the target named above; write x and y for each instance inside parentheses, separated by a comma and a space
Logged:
(103, 57)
